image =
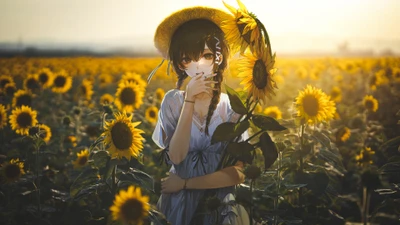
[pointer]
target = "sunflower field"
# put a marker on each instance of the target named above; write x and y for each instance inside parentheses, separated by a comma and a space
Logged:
(76, 140)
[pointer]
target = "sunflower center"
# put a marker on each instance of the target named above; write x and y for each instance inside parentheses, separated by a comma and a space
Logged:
(121, 136)
(152, 114)
(260, 75)
(60, 81)
(241, 27)
(128, 96)
(43, 78)
(32, 84)
(310, 105)
(273, 114)
(369, 104)
(12, 171)
(82, 160)
(24, 100)
(132, 210)
(24, 120)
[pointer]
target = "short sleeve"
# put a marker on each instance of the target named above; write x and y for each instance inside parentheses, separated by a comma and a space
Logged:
(168, 116)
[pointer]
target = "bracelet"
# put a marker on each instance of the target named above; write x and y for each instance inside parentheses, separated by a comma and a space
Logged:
(189, 101)
(184, 186)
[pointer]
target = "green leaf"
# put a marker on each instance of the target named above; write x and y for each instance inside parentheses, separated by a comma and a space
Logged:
(322, 138)
(294, 186)
(228, 130)
(138, 177)
(269, 150)
(87, 178)
(100, 159)
(237, 149)
(267, 123)
(234, 99)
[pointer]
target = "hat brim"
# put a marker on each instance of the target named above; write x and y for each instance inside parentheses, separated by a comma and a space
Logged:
(168, 26)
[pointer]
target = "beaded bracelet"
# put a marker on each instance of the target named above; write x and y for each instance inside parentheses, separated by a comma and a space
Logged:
(189, 101)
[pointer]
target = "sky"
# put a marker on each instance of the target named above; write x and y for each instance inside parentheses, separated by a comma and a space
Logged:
(293, 25)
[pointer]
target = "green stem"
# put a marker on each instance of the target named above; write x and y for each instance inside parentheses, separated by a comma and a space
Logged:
(257, 133)
(37, 177)
(278, 187)
(251, 202)
(301, 164)
(114, 182)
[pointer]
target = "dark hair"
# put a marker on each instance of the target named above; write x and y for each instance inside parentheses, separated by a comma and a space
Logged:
(189, 41)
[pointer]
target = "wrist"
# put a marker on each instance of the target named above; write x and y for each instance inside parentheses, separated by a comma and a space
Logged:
(185, 181)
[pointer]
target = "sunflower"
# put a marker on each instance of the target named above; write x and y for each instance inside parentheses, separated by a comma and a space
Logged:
(45, 132)
(62, 82)
(22, 97)
(31, 82)
(22, 118)
(130, 206)
(105, 79)
(160, 94)
(5, 79)
(106, 99)
(86, 89)
(274, 112)
(243, 30)
(365, 157)
(151, 114)
(3, 116)
(45, 77)
(134, 78)
(122, 138)
(257, 71)
(10, 89)
(128, 97)
(82, 159)
(343, 134)
(12, 170)
(336, 94)
(314, 106)
(370, 103)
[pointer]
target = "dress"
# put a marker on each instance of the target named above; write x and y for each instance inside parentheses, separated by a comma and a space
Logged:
(202, 158)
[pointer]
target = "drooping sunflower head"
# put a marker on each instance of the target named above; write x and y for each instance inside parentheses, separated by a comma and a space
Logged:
(343, 134)
(22, 118)
(152, 114)
(82, 159)
(274, 112)
(13, 170)
(122, 138)
(130, 206)
(244, 30)
(22, 97)
(5, 79)
(314, 106)
(106, 99)
(129, 97)
(10, 89)
(370, 103)
(365, 157)
(336, 94)
(134, 78)
(159, 94)
(86, 89)
(62, 82)
(31, 83)
(257, 71)
(45, 77)
(3, 116)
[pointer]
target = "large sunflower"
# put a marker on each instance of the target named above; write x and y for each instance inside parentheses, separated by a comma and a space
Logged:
(3, 117)
(31, 83)
(62, 82)
(106, 99)
(5, 79)
(274, 112)
(130, 206)
(314, 106)
(45, 77)
(22, 118)
(242, 31)
(13, 170)
(370, 103)
(151, 114)
(82, 159)
(22, 97)
(257, 71)
(134, 78)
(128, 97)
(122, 138)
(86, 89)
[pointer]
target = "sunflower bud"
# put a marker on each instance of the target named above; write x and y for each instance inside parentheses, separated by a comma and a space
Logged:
(252, 172)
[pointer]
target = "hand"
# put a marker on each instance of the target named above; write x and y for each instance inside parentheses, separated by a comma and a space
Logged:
(171, 184)
(199, 85)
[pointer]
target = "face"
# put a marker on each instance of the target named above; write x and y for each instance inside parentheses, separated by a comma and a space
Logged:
(204, 66)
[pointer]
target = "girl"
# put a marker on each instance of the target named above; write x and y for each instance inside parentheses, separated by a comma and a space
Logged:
(194, 43)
